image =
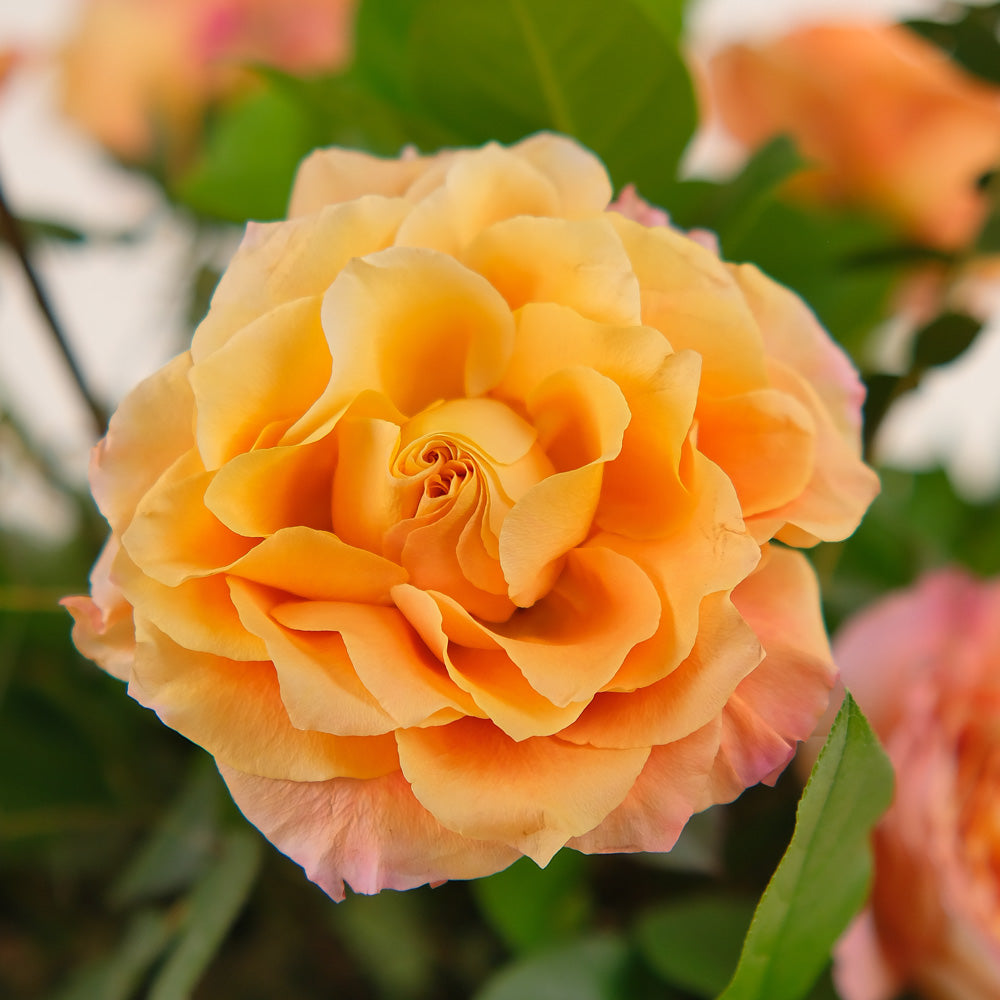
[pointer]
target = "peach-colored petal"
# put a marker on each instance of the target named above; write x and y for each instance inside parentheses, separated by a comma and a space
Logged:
(371, 834)
(477, 192)
(582, 183)
(280, 262)
(764, 440)
(261, 492)
(153, 426)
(415, 325)
(393, 664)
(102, 625)
(318, 565)
(670, 788)
(173, 535)
(580, 264)
(198, 614)
(268, 373)
(687, 698)
(234, 710)
(483, 670)
(319, 686)
(689, 294)
(533, 795)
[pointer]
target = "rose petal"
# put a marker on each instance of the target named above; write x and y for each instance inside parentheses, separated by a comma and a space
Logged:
(533, 795)
(234, 711)
(371, 834)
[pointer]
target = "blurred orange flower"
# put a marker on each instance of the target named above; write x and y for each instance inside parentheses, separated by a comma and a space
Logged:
(450, 536)
(139, 74)
(891, 123)
(923, 664)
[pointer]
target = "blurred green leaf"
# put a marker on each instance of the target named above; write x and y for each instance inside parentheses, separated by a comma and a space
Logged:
(119, 976)
(698, 849)
(971, 39)
(591, 968)
(250, 154)
(180, 845)
(211, 908)
(389, 935)
(824, 875)
(695, 941)
(534, 908)
(502, 69)
(944, 339)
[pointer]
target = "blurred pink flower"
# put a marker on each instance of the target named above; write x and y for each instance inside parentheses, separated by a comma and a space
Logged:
(924, 665)
(139, 74)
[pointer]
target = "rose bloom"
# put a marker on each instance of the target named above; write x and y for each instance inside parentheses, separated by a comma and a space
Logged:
(139, 74)
(923, 664)
(450, 535)
(891, 123)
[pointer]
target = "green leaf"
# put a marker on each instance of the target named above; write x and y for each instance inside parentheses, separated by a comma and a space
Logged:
(501, 69)
(593, 968)
(211, 909)
(823, 877)
(180, 845)
(119, 976)
(944, 339)
(971, 40)
(694, 942)
(246, 167)
(534, 908)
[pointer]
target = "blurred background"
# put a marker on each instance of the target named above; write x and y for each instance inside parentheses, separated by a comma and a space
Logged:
(124, 870)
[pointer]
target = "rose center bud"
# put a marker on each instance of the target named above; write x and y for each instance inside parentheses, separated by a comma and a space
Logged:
(462, 465)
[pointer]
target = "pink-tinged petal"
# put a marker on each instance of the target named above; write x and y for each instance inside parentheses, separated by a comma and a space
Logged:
(781, 702)
(102, 625)
(670, 789)
(260, 492)
(407, 680)
(173, 535)
(320, 688)
(533, 795)
(861, 970)
(580, 264)
(687, 698)
(320, 566)
(793, 336)
(234, 710)
(279, 262)
(841, 486)
(152, 428)
(483, 670)
(477, 192)
(270, 372)
(889, 647)
(371, 834)
(415, 325)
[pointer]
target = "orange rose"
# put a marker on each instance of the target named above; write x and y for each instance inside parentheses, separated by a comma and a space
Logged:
(449, 536)
(923, 666)
(892, 124)
(138, 74)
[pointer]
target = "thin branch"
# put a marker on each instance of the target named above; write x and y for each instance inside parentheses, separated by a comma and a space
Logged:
(11, 233)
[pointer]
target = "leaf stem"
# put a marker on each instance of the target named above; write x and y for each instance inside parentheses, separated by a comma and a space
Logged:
(12, 233)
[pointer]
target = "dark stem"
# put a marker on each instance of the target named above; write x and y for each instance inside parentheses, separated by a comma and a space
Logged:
(11, 233)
